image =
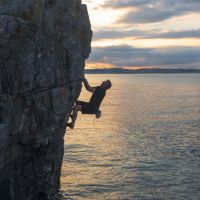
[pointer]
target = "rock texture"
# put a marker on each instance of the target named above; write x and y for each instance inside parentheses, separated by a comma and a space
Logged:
(43, 47)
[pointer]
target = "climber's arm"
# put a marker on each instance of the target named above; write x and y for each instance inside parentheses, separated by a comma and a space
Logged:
(87, 86)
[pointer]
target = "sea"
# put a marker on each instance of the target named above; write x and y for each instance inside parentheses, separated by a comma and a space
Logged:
(146, 145)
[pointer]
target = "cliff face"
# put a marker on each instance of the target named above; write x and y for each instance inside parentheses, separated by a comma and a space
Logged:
(43, 47)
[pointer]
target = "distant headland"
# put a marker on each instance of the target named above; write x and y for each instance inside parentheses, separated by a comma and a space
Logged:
(140, 71)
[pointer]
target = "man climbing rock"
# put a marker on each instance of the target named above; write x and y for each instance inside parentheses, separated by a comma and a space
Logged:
(91, 107)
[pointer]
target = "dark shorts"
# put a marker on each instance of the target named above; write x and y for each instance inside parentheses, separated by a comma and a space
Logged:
(86, 108)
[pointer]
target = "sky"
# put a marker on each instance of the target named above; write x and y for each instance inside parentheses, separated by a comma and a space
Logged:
(136, 34)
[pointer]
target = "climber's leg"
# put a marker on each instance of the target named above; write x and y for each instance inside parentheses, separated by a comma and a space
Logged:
(74, 116)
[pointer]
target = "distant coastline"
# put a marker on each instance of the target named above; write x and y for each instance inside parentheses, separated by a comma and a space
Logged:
(140, 71)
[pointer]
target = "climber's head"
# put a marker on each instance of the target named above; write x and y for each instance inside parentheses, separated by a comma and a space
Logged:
(106, 84)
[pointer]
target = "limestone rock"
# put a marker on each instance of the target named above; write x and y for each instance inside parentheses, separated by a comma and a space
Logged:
(43, 48)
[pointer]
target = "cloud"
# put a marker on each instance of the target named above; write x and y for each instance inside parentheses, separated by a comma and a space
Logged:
(151, 11)
(146, 23)
(177, 34)
(114, 34)
(127, 3)
(130, 56)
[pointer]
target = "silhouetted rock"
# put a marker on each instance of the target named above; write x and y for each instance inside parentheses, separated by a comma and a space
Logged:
(43, 47)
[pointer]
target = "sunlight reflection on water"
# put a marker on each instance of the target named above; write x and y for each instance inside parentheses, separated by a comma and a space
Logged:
(146, 145)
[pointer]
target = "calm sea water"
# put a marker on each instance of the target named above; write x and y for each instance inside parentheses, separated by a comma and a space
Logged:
(145, 146)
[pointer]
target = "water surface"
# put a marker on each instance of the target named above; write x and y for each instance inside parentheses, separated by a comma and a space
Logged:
(145, 146)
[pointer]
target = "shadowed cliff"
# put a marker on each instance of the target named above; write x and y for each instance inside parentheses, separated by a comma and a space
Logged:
(43, 47)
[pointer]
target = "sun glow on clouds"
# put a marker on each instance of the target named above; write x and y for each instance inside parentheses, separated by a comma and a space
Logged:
(147, 43)
(105, 16)
(101, 17)
(99, 65)
(177, 23)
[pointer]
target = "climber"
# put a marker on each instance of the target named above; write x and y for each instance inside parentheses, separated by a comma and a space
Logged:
(91, 107)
